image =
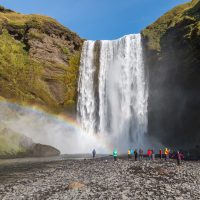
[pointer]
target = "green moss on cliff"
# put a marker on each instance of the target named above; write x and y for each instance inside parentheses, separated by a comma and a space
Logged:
(71, 79)
(35, 34)
(34, 21)
(155, 31)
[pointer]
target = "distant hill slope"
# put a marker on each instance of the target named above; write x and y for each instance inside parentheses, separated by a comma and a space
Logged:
(39, 60)
(172, 47)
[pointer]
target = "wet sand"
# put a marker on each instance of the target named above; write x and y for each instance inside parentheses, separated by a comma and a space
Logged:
(101, 178)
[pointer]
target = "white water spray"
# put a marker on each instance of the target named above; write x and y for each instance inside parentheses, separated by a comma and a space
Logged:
(118, 110)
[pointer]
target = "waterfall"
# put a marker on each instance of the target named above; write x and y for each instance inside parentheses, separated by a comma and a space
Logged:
(113, 90)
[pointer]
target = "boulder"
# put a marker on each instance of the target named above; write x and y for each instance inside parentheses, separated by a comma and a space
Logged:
(41, 150)
(75, 185)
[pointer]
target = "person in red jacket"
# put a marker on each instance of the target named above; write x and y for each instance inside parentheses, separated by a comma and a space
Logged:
(160, 153)
(149, 153)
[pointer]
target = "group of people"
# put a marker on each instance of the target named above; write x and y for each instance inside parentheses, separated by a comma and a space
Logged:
(139, 155)
(151, 154)
(135, 154)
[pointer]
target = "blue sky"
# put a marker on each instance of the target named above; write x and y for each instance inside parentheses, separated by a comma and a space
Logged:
(97, 19)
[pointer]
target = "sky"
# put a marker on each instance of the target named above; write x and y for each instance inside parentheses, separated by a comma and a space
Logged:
(97, 19)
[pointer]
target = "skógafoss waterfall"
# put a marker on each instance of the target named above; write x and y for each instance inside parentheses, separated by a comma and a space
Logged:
(113, 90)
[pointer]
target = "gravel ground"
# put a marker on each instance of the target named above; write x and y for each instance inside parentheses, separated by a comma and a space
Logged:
(101, 179)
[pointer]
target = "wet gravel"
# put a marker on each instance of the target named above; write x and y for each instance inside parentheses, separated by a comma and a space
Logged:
(102, 179)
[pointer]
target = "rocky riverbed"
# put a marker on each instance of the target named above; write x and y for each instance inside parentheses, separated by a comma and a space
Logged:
(100, 179)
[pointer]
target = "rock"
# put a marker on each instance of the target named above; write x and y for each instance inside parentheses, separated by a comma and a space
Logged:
(75, 185)
(40, 150)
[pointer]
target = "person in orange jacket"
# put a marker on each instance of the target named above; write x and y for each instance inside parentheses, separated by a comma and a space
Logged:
(167, 151)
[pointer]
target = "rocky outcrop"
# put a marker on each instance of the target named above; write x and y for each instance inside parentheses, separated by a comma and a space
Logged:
(40, 150)
(13, 144)
(39, 60)
(172, 47)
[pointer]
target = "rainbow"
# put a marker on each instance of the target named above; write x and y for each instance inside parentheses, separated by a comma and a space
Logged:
(61, 118)
(41, 110)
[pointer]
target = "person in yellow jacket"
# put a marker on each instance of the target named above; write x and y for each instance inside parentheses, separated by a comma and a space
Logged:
(129, 153)
(167, 153)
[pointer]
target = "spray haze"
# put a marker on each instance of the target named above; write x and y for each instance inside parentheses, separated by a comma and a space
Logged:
(40, 127)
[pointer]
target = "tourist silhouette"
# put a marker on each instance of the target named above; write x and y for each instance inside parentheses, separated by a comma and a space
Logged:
(94, 153)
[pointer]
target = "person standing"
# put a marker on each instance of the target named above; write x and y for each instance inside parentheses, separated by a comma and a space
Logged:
(140, 154)
(129, 153)
(94, 153)
(167, 154)
(179, 157)
(152, 154)
(135, 154)
(132, 152)
(115, 154)
(149, 154)
(160, 153)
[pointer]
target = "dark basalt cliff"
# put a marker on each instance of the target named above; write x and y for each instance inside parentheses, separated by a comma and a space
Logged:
(172, 46)
(39, 60)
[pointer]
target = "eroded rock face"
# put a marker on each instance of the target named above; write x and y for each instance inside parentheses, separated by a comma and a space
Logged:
(46, 71)
(174, 84)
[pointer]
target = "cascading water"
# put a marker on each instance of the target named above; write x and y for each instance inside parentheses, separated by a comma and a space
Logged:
(113, 90)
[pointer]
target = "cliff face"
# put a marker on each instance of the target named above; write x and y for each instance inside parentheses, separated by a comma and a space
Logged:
(172, 47)
(39, 60)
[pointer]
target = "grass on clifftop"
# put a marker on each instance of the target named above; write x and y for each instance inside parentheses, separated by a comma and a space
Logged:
(155, 31)
(21, 21)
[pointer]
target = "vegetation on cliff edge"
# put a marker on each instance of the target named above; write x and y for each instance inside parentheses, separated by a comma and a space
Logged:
(189, 12)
